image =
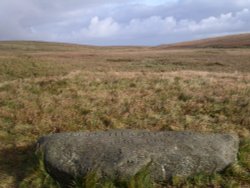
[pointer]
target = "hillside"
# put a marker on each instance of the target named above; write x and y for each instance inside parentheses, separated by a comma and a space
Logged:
(230, 41)
(42, 46)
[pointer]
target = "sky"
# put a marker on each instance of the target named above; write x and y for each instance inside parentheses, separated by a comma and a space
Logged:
(122, 22)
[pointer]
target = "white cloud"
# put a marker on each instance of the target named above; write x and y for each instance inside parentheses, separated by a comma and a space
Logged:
(108, 22)
(224, 22)
(101, 28)
(159, 29)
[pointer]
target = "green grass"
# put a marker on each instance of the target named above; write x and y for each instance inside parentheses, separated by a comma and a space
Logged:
(107, 101)
(39, 177)
(48, 88)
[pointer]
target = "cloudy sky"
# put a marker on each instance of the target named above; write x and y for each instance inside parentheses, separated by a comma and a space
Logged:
(121, 22)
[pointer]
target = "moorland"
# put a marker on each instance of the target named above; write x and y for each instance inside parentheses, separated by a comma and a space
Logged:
(54, 87)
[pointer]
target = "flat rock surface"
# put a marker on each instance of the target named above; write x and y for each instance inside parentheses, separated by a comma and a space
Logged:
(122, 153)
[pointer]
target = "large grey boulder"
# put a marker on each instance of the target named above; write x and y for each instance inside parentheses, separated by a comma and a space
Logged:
(122, 153)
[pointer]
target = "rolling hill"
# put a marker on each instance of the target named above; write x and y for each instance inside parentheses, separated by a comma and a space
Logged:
(230, 41)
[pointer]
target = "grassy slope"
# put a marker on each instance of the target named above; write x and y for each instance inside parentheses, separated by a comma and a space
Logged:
(230, 41)
(47, 87)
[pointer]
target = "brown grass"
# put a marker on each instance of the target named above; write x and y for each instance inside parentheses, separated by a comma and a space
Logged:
(46, 88)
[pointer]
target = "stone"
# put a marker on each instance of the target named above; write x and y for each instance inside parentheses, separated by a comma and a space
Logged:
(122, 153)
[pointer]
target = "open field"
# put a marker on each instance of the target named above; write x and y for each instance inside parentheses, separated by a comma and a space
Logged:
(48, 87)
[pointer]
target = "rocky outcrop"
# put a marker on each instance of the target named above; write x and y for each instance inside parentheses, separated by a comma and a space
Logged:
(122, 153)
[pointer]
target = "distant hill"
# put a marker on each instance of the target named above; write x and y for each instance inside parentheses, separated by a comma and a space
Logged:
(230, 41)
(39, 46)
(42, 46)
